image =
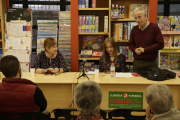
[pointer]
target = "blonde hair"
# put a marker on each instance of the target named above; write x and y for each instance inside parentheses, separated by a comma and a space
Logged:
(49, 42)
(105, 54)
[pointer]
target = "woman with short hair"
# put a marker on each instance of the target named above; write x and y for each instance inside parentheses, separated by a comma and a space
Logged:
(50, 60)
(88, 96)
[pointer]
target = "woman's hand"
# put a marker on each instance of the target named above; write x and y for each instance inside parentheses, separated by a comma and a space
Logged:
(56, 70)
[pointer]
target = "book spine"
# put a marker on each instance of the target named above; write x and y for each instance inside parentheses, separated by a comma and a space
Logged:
(120, 31)
(79, 4)
(97, 24)
(93, 23)
(87, 3)
(83, 3)
(86, 24)
(83, 24)
(89, 24)
(127, 47)
(106, 24)
(93, 3)
(80, 23)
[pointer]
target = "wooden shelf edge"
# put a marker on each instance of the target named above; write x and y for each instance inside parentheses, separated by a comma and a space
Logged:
(118, 41)
(170, 32)
(170, 51)
(99, 33)
(125, 19)
(0, 40)
(0, 17)
(93, 8)
(99, 58)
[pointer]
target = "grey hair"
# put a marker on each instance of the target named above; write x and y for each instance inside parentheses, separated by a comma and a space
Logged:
(88, 96)
(159, 98)
(139, 9)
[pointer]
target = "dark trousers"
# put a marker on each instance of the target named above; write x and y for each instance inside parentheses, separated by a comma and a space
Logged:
(143, 65)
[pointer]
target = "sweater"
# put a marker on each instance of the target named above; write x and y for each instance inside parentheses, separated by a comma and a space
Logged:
(173, 114)
(150, 39)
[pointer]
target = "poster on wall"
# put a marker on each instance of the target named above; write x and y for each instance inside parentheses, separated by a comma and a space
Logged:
(131, 100)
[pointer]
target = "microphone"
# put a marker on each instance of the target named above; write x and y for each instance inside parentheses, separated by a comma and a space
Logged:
(84, 61)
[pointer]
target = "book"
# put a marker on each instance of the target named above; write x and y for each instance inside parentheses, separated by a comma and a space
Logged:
(93, 23)
(93, 3)
(174, 63)
(130, 26)
(96, 53)
(86, 24)
(79, 4)
(88, 66)
(164, 23)
(125, 31)
(164, 62)
(97, 24)
(167, 42)
(83, 24)
(92, 42)
(86, 53)
(175, 23)
(177, 41)
(106, 24)
(90, 23)
(87, 3)
(80, 23)
(83, 3)
(112, 11)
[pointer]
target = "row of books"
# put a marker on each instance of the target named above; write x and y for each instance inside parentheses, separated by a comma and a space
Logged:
(127, 52)
(170, 61)
(122, 31)
(64, 43)
(88, 24)
(90, 54)
(169, 23)
(171, 41)
(86, 3)
(117, 11)
(46, 28)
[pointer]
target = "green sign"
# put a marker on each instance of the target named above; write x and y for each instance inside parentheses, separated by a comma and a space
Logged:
(133, 100)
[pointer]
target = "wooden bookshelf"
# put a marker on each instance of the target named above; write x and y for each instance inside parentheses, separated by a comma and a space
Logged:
(170, 32)
(93, 8)
(99, 33)
(103, 8)
(0, 40)
(125, 19)
(0, 17)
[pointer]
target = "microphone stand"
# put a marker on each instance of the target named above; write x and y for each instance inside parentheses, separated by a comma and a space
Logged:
(83, 72)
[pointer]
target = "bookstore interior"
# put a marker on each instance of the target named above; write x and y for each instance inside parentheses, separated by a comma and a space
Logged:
(96, 22)
(80, 28)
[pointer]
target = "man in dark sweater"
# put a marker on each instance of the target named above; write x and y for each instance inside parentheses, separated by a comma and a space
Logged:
(18, 95)
(145, 41)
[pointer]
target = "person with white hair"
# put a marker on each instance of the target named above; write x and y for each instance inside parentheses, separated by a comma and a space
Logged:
(88, 96)
(160, 103)
(145, 41)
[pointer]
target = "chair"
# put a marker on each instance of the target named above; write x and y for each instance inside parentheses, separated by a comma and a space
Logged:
(126, 113)
(24, 116)
(64, 112)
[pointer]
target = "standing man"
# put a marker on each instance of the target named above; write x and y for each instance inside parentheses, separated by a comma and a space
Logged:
(145, 41)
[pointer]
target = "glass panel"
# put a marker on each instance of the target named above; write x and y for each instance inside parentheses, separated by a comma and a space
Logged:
(44, 7)
(160, 11)
(174, 10)
(68, 0)
(17, 5)
(68, 7)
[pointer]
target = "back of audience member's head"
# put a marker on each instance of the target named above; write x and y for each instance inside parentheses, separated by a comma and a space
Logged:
(159, 98)
(88, 96)
(9, 66)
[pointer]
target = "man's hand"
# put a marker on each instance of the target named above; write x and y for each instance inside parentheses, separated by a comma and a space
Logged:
(148, 114)
(138, 52)
(141, 49)
(54, 70)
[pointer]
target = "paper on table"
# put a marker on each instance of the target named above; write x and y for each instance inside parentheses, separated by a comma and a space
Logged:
(90, 73)
(121, 74)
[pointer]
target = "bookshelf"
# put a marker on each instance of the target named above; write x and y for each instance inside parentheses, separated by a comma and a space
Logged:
(103, 7)
(2, 19)
(170, 32)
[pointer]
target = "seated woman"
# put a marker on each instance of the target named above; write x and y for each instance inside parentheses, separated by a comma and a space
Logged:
(110, 55)
(50, 60)
(88, 96)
